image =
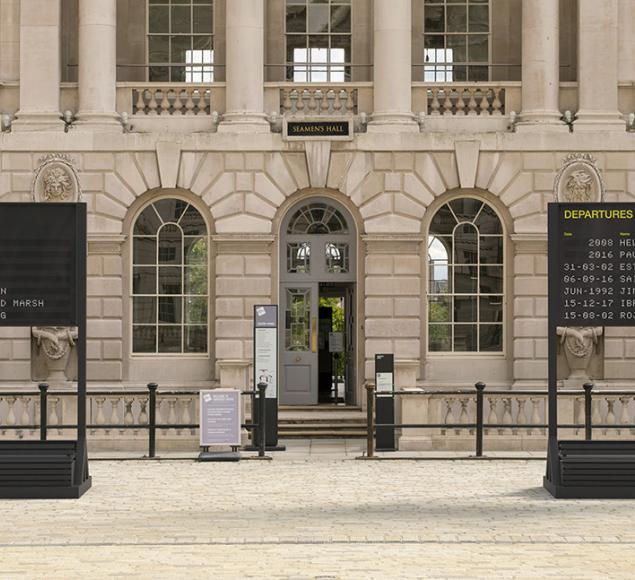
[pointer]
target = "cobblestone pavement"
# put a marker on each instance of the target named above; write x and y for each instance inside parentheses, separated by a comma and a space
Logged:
(334, 517)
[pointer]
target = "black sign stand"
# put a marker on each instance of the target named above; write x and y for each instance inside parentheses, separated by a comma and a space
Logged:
(590, 247)
(43, 282)
(385, 403)
(266, 317)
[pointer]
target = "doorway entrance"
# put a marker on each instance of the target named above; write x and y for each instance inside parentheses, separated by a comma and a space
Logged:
(317, 305)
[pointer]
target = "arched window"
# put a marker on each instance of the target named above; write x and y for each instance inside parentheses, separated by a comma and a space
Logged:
(169, 279)
(466, 278)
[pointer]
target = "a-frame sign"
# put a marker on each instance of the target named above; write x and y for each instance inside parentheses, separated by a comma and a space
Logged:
(591, 283)
(43, 283)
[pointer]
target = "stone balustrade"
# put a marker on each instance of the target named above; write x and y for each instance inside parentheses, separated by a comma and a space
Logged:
(318, 101)
(461, 100)
(172, 99)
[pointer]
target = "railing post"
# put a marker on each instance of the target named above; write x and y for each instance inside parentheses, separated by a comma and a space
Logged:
(588, 426)
(152, 420)
(43, 410)
(262, 438)
(370, 420)
(480, 388)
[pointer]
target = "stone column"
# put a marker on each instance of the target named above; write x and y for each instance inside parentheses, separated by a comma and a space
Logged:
(245, 68)
(540, 66)
(40, 66)
(393, 67)
(597, 66)
(9, 40)
(626, 41)
(98, 65)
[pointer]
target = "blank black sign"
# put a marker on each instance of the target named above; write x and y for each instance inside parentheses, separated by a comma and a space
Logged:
(592, 263)
(38, 263)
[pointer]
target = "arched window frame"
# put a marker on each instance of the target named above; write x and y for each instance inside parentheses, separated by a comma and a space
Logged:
(195, 300)
(430, 295)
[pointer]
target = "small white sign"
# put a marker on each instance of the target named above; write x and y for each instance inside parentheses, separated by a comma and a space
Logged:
(384, 382)
(267, 360)
(336, 342)
(220, 419)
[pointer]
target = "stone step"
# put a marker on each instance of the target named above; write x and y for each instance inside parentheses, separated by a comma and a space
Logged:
(322, 434)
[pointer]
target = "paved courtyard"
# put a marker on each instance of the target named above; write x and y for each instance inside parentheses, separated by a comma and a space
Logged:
(317, 515)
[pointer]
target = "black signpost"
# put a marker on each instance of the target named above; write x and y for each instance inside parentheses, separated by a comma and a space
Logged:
(266, 371)
(385, 404)
(591, 283)
(43, 283)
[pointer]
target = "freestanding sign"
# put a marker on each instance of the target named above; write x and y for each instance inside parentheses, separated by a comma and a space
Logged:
(385, 407)
(591, 283)
(43, 283)
(266, 369)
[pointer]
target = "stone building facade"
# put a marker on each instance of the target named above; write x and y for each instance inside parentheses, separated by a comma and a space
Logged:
(87, 114)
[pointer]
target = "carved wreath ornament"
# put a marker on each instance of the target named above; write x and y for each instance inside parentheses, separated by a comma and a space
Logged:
(56, 180)
(579, 180)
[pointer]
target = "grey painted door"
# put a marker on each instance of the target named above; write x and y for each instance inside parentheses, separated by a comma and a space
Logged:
(299, 344)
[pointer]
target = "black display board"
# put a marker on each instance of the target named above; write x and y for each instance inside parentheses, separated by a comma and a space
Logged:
(385, 401)
(591, 251)
(43, 283)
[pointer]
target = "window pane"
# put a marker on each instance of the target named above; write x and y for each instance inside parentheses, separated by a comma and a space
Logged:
(144, 310)
(336, 258)
(439, 309)
(457, 48)
(478, 49)
(491, 249)
(170, 210)
(196, 280)
(170, 280)
(465, 337)
(145, 251)
(491, 280)
(148, 223)
(299, 258)
(195, 250)
(144, 280)
(465, 279)
(170, 338)
(466, 208)
(443, 222)
(180, 46)
(456, 19)
(159, 74)
(440, 278)
(298, 319)
(159, 19)
(479, 18)
(440, 338)
(488, 222)
(434, 19)
(170, 245)
(465, 309)
(195, 339)
(203, 19)
(181, 19)
(144, 339)
(296, 19)
(192, 223)
(318, 18)
(478, 73)
(340, 18)
(159, 49)
(440, 249)
(465, 245)
(491, 309)
(170, 309)
(491, 338)
(196, 310)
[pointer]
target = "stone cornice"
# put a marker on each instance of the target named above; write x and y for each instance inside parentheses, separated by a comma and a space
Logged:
(241, 243)
(393, 243)
(105, 244)
(529, 243)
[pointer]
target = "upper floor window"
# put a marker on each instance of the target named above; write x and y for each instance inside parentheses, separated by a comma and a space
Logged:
(169, 279)
(456, 40)
(465, 278)
(181, 41)
(318, 37)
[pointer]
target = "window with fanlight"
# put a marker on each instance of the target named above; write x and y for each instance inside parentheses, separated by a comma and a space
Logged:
(466, 278)
(170, 280)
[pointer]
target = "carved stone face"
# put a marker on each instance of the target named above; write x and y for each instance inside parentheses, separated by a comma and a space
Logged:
(579, 186)
(57, 184)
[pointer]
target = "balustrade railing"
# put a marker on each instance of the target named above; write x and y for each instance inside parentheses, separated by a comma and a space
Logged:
(318, 101)
(113, 416)
(172, 100)
(460, 100)
(506, 416)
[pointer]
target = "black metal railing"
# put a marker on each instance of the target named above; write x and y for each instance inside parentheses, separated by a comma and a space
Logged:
(255, 426)
(479, 426)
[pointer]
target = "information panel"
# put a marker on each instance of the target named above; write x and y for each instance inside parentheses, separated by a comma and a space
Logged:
(38, 263)
(266, 348)
(594, 245)
(220, 417)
